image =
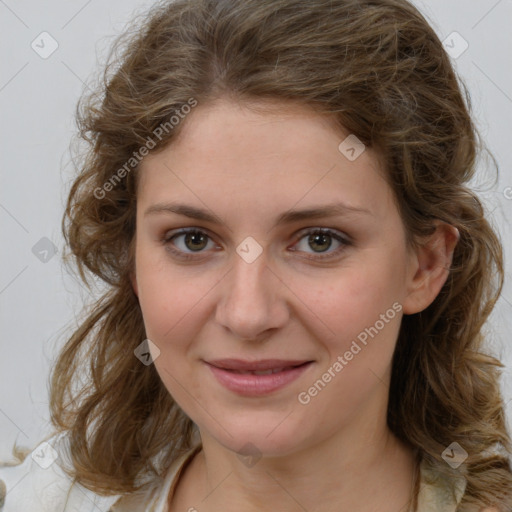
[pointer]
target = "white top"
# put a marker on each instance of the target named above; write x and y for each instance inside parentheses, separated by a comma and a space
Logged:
(38, 484)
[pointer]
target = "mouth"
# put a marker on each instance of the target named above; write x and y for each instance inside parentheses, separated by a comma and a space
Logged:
(261, 367)
(254, 378)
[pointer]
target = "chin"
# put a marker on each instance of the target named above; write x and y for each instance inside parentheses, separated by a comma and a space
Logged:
(260, 439)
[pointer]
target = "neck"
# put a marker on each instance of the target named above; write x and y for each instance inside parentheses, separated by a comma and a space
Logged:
(322, 483)
(362, 466)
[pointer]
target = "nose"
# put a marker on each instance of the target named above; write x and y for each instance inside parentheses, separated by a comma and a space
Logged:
(253, 300)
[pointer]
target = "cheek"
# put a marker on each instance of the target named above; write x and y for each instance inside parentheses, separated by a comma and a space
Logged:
(170, 307)
(166, 296)
(353, 298)
(173, 312)
(363, 310)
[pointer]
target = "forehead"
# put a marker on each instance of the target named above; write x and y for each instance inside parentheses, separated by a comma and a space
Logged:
(260, 155)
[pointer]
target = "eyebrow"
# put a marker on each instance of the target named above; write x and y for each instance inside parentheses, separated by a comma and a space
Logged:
(315, 212)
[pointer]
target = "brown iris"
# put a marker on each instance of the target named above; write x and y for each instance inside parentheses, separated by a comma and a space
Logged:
(320, 239)
(197, 240)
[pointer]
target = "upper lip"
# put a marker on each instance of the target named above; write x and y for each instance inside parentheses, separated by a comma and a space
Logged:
(262, 364)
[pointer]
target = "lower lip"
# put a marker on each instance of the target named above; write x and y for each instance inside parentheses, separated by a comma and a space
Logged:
(256, 385)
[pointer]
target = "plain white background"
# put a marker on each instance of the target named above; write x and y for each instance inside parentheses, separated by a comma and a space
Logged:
(39, 301)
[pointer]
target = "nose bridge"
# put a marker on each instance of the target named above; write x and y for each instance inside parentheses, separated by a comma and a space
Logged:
(249, 279)
(250, 301)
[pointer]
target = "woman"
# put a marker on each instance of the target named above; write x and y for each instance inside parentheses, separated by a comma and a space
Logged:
(276, 194)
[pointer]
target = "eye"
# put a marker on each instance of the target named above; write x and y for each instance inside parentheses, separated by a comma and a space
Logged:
(192, 242)
(320, 240)
(187, 242)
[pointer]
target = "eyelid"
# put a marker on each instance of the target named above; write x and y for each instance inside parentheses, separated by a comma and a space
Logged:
(318, 229)
(337, 235)
(170, 235)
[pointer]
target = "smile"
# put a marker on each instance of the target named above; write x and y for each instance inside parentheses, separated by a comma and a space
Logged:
(256, 378)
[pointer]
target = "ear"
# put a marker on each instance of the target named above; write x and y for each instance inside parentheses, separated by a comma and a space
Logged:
(430, 267)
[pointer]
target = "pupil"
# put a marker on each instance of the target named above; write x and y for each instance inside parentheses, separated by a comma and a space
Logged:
(196, 240)
(320, 239)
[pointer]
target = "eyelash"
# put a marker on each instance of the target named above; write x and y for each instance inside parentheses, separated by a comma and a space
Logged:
(167, 241)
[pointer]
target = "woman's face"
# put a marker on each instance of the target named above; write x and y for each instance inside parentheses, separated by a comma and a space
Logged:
(256, 280)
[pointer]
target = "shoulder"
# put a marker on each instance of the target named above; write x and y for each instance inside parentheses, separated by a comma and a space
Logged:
(441, 492)
(438, 490)
(155, 496)
(39, 484)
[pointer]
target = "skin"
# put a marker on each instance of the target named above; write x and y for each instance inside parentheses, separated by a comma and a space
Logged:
(247, 167)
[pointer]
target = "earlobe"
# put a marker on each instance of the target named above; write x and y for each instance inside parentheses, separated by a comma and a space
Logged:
(430, 268)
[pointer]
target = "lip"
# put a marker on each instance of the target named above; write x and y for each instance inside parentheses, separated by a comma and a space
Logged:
(260, 365)
(227, 373)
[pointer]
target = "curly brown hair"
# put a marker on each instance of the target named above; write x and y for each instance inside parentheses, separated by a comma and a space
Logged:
(380, 71)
